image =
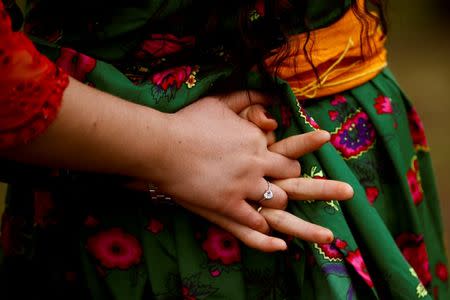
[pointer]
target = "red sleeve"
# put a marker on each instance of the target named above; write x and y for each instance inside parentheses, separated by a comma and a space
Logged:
(31, 87)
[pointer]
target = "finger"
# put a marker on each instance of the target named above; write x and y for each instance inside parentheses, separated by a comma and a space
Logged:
(287, 223)
(280, 167)
(315, 189)
(238, 101)
(244, 214)
(248, 236)
(259, 116)
(299, 145)
(279, 199)
(271, 138)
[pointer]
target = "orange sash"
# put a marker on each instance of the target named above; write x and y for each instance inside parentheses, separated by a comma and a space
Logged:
(336, 53)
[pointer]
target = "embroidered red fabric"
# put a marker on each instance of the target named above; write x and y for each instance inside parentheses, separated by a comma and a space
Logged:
(31, 87)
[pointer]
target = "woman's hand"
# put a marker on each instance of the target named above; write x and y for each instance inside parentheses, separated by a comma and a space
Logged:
(297, 189)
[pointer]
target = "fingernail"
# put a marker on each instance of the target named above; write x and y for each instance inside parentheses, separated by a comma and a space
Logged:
(280, 244)
(269, 115)
(328, 236)
(325, 133)
(349, 191)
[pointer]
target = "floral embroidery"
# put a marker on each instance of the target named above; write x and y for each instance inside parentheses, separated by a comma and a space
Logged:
(338, 99)
(331, 251)
(159, 45)
(309, 120)
(115, 249)
(333, 115)
(383, 105)
(155, 226)
(356, 260)
(356, 136)
(258, 12)
(417, 131)
(222, 245)
(414, 181)
(413, 249)
(78, 65)
(441, 271)
(175, 77)
(372, 194)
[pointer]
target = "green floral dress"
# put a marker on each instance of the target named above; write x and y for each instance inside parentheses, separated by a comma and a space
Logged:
(69, 235)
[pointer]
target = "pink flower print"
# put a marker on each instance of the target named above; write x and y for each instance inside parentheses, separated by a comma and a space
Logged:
(163, 44)
(372, 194)
(174, 77)
(43, 209)
(331, 251)
(215, 272)
(155, 226)
(355, 136)
(356, 260)
(333, 115)
(338, 99)
(187, 295)
(414, 250)
(383, 105)
(414, 182)
(115, 249)
(441, 271)
(417, 130)
(221, 245)
(78, 65)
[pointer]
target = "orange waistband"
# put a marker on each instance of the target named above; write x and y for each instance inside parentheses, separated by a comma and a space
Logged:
(337, 55)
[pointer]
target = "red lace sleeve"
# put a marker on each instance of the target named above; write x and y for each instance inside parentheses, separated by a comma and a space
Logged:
(31, 87)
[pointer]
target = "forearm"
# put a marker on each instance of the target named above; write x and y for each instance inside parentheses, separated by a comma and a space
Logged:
(98, 132)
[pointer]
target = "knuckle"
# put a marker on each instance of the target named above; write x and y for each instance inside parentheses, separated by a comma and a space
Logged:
(258, 223)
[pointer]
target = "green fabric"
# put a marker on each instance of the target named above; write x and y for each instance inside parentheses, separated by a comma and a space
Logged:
(87, 238)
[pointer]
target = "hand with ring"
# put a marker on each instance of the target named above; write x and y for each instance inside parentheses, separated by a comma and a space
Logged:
(272, 201)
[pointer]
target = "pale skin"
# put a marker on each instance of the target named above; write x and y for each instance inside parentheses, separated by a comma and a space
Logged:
(206, 156)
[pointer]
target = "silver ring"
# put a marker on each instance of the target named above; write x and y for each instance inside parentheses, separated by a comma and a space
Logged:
(268, 194)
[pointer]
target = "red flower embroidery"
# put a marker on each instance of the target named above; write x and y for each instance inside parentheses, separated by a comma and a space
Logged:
(174, 77)
(441, 271)
(78, 65)
(155, 226)
(356, 260)
(416, 129)
(414, 182)
(187, 294)
(415, 252)
(115, 248)
(160, 45)
(371, 194)
(338, 99)
(331, 251)
(221, 245)
(43, 209)
(383, 105)
(333, 115)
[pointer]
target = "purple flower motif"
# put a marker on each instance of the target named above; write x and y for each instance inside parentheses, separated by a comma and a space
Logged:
(355, 136)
